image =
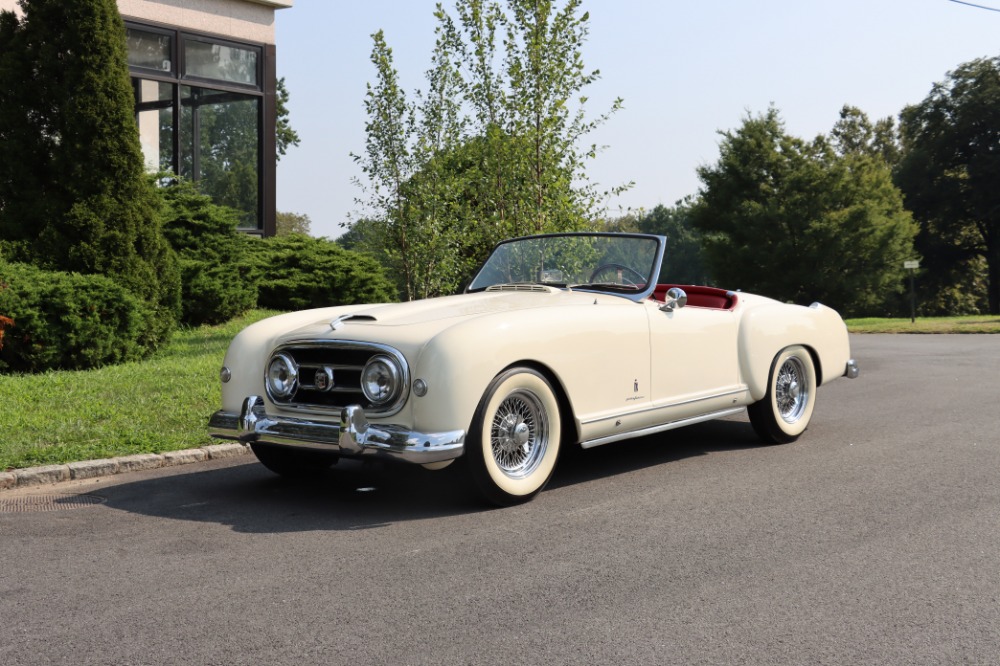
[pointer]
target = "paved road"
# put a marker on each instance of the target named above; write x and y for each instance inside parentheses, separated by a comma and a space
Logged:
(872, 540)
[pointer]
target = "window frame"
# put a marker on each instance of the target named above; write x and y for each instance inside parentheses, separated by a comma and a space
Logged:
(265, 91)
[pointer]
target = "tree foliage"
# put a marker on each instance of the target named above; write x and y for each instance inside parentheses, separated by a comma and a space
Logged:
(803, 220)
(217, 276)
(298, 272)
(291, 223)
(73, 193)
(492, 147)
(949, 174)
(683, 262)
(285, 135)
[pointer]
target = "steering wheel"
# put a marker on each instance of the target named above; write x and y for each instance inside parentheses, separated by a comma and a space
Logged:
(619, 278)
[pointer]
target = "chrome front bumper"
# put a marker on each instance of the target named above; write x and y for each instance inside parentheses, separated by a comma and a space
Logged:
(852, 370)
(353, 437)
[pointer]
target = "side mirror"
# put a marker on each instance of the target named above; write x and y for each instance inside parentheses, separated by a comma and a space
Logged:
(676, 298)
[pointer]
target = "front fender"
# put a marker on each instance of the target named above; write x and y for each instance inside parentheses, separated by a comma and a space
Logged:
(459, 363)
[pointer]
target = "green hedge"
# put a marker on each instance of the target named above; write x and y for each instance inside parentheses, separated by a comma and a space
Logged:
(296, 272)
(67, 320)
(216, 274)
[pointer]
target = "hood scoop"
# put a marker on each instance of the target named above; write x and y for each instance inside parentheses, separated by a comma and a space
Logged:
(343, 319)
(520, 287)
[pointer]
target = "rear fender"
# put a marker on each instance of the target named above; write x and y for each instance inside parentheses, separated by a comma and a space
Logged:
(767, 329)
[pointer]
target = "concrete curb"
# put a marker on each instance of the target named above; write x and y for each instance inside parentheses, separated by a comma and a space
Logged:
(92, 469)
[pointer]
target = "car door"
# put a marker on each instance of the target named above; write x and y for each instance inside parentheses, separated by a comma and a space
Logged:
(694, 361)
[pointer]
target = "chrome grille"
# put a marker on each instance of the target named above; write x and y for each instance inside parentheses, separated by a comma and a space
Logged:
(319, 362)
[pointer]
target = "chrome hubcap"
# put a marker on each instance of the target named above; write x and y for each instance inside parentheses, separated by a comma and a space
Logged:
(790, 392)
(519, 434)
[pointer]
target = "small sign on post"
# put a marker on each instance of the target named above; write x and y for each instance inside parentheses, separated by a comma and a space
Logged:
(912, 266)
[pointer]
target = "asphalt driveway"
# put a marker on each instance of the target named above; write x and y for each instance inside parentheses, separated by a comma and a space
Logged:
(872, 540)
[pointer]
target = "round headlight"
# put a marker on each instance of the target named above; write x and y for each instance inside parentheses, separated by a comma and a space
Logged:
(282, 376)
(380, 379)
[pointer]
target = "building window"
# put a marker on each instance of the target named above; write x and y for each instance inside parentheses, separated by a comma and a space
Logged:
(219, 147)
(200, 110)
(219, 62)
(150, 50)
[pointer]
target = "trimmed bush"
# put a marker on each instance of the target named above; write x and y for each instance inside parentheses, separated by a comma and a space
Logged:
(74, 195)
(67, 320)
(297, 272)
(217, 281)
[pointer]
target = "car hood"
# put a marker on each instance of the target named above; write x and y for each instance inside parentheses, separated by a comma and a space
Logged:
(421, 319)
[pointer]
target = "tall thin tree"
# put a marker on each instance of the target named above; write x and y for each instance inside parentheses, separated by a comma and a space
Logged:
(73, 192)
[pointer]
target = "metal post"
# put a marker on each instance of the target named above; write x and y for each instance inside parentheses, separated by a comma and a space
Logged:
(912, 266)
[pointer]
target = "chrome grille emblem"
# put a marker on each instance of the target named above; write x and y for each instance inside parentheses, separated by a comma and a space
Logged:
(324, 379)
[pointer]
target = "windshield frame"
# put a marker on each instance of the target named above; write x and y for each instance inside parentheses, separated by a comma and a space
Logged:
(637, 296)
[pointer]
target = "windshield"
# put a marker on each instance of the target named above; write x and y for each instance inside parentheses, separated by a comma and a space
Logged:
(624, 264)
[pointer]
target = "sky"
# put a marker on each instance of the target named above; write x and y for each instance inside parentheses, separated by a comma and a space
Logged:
(685, 69)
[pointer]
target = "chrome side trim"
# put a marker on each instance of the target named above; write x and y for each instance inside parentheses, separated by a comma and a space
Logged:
(852, 370)
(656, 408)
(352, 437)
(663, 427)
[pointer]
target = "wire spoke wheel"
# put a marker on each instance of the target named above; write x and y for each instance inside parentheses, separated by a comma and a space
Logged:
(791, 392)
(519, 435)
(515, 437)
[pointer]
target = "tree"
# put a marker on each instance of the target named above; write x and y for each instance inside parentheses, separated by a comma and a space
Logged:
(855, 134)
(73, 192)
(683, 262)
(285, 136)
(803, 221)
(292, 223)
(949, 173)
(492, 148)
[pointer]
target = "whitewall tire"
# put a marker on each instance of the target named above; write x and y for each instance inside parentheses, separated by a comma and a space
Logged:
(784, 413)
(515, 437)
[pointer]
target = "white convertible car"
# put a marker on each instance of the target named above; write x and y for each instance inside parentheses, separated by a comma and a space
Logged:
(560, 340)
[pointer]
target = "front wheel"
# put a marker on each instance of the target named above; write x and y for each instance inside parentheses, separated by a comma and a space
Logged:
(785, 411)
(515, 437)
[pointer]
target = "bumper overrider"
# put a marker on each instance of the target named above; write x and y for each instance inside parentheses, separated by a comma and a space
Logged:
(352, 437)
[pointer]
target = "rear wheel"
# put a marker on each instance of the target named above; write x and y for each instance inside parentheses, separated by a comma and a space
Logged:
(785, 411)
(293, 463)
(515, 437)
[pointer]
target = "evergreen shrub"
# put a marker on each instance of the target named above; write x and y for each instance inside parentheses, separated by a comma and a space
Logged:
(74, 195)
(297, 272)
(67, 320)
(217, 277)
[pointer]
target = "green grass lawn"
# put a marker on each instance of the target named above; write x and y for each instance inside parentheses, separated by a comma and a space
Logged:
(970, 324)
(163, 404)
